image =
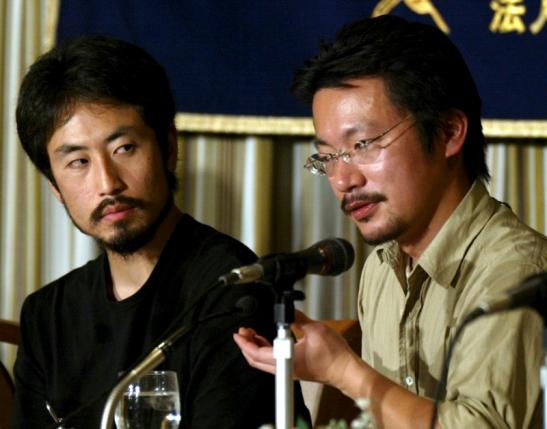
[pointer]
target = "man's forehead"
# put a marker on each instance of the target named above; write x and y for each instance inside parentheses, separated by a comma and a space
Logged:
(79, 123)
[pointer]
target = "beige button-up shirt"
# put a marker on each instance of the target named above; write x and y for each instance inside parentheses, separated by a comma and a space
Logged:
(409, 319)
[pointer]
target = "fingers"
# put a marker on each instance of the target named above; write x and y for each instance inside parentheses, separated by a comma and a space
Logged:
(248, 333)
(257, 350)
(259, 364)
(247, 337)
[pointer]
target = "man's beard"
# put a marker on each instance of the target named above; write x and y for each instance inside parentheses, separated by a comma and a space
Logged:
(126, 240)
(393, 229)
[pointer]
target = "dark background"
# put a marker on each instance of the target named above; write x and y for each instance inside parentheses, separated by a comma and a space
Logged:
(237, 57)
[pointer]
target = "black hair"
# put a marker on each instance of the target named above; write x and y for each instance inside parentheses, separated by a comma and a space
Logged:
(91, 69)
(422, 69)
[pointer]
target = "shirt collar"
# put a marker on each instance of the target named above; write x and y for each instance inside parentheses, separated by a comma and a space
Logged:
(444, 255)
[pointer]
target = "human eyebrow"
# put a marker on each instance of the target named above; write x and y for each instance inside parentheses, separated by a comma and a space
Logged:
(68, 148)
(119, 132)
(350, 133)
(318, 143)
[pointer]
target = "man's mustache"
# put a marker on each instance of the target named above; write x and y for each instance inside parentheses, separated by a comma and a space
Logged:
(357, 195)
(97, 214)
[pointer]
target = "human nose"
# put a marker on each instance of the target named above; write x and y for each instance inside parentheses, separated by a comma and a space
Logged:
(108, 178)
(345, 176)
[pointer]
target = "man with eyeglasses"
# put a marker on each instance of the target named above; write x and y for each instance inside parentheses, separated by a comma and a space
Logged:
(399, 137)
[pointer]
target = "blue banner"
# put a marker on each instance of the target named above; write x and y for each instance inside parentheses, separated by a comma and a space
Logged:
(237, 57)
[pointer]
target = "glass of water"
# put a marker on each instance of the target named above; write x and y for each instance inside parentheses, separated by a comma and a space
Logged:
(151, 402)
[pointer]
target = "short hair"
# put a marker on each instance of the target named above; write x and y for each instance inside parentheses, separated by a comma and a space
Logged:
(422, 69)
(91, 69)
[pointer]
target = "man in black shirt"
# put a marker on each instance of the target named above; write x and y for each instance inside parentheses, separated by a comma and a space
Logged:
(96, 117)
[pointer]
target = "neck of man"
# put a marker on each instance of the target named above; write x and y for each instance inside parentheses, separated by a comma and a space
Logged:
(415, 244)
(130, 272)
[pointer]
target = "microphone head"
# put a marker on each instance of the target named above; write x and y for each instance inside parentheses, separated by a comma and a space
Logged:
(338, 256)
(328, 257)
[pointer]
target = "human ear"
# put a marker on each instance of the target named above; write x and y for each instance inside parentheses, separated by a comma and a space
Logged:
(55, 190)
(455, 132)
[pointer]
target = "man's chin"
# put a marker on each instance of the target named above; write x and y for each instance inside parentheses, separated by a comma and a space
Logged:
(377, 235)
(126, 243)
(128, 237)
(126, 240)
(375, 240)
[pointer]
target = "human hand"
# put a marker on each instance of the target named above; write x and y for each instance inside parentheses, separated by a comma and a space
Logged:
(321, 354)
(256, 349)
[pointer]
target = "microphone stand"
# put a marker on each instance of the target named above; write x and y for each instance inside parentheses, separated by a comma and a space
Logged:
(283, 351)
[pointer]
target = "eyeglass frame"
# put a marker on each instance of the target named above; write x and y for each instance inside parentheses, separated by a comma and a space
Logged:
(348, 155)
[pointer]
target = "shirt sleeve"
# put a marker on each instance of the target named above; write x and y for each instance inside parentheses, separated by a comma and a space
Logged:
(29, 405)
(493, 380)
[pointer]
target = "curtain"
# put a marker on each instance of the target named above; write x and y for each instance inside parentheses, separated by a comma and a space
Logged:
(226, 182)
(519, 177)
(20, 41)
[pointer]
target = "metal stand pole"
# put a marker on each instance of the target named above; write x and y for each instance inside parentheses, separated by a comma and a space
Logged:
(283, 350)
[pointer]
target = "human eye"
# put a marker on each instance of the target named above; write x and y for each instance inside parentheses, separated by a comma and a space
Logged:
(125, 148)
(324, 156)
(363, 145)
(77, 163)
(366, 145)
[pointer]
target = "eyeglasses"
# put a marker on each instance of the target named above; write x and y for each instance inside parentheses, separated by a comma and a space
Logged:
(364, 152)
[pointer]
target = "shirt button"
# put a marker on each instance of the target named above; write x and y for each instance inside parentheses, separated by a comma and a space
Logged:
(409, 381)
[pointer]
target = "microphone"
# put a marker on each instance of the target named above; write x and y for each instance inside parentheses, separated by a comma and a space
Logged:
(531, 292)
(328, 257)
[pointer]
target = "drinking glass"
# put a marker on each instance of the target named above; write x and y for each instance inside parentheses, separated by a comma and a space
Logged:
(150, 402)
